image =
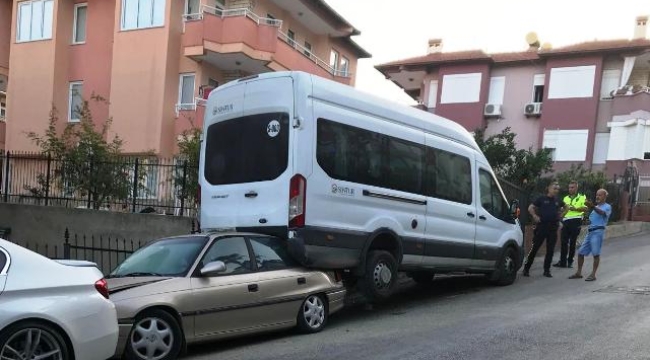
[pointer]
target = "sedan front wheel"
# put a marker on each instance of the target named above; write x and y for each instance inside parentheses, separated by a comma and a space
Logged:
(155, 335)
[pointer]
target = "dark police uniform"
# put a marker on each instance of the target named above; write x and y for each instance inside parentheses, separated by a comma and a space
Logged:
(548, 210)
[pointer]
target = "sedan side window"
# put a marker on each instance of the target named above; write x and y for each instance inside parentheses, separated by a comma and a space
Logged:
(233, 252)
(271, 254)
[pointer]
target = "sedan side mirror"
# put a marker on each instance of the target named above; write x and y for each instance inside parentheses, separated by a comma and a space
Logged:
(514, 209)
(213, 268)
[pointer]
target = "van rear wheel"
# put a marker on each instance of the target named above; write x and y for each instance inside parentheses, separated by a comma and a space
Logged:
(381, 275)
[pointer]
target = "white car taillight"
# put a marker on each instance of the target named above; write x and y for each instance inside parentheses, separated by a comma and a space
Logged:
(297, 201)
(102, 287)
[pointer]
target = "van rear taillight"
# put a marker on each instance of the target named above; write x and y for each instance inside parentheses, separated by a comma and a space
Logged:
(297, 201)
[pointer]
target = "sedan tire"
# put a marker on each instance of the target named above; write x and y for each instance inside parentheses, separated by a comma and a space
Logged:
(156, 335)
(33, 340)
(313, 314)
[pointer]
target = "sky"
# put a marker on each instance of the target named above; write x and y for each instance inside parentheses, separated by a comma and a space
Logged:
(394, 30)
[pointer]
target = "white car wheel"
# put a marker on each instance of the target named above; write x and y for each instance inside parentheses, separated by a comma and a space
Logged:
(32, 341)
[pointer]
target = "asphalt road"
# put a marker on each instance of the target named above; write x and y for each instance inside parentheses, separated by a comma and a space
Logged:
(465, 318)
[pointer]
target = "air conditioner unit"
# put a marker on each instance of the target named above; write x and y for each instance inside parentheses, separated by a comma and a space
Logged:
(492, 110)
(204, 91)
(533, 109)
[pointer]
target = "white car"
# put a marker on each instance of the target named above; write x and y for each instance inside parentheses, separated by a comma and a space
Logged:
(53, 310)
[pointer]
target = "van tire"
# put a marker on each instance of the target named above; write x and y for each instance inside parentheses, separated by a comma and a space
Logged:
(506, 271)
(380, 277)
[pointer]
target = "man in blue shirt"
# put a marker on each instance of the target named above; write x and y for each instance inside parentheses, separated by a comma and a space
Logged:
(598, 218)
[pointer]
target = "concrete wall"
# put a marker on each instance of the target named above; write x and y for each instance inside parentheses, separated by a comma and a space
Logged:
(46, 225)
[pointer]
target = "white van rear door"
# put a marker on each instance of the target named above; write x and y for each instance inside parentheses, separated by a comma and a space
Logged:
(247, 163)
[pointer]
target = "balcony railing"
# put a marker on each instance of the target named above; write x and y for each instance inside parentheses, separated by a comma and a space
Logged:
(225, 13)
(311, 56)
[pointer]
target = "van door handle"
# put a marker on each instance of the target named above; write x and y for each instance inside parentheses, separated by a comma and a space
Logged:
(251, 194)
(471, 214)
(482, 217)
(253, 288)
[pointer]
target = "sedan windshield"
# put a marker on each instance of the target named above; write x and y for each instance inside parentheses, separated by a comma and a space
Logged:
(168, 257)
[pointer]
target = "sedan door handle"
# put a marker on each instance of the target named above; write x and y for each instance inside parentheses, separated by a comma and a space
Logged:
(471, 214)
(253, 288)
(482, 217)
(251, 194)
(302, 281)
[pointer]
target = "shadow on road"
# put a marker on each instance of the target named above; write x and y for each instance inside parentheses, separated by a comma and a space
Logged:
(408, 295)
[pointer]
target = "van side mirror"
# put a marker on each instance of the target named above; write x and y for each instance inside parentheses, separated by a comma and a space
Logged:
(213, 268)
(514, 209)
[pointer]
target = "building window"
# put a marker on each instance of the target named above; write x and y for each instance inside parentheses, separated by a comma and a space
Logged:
(221, 4)
(75, 101)
(34, 20)
(192, 7)
(186, 91)
(292, 37)
(611, 79)
(79, 28)
(308, 49)
(142, 14)
(497, 90)
(572, 82)
(345, 66)
(3, 110)
(334, 60)
(538, 88)
(568, 145)
(213, 83)
(461, 88)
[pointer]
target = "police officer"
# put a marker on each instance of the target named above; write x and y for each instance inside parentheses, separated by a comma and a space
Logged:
(571, 224)
(546, 212)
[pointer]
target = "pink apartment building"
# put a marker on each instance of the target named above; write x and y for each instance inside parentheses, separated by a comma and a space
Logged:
(154, 60)
(589, 102)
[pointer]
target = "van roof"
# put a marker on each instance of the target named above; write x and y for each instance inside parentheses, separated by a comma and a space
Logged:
(347, 96)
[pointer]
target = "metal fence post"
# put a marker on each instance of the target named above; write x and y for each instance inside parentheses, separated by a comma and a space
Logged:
(6, 177)
(90, 175)
(47, 179)
(184, 187)
(135, 183)
(66, 244)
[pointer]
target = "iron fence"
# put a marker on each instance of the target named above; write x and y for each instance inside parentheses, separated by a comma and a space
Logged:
(126, 184)
(106, 251)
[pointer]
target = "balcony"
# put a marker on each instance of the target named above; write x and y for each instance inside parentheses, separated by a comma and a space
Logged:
(238, 39)
(630, 99)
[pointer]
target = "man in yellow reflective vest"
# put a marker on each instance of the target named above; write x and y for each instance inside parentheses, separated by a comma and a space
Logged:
(571, 224)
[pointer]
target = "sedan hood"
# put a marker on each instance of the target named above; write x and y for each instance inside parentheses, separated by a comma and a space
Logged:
(120, 284)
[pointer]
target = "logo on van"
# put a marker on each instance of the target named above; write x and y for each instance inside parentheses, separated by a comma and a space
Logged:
(342, 190)
(222, 109)
(273, 128)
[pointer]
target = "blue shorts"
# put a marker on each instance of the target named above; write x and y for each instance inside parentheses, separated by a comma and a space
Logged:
(592, 243)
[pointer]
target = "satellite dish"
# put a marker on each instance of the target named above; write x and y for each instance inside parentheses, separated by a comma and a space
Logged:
(532, 39)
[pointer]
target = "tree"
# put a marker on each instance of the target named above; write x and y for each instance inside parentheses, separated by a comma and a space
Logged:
(520, 166)
(85, 161)
(187, 177)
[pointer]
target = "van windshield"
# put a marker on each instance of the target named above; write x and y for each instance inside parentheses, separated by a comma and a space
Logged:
(247, 149)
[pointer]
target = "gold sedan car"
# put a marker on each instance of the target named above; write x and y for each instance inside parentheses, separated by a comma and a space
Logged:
(182, 290)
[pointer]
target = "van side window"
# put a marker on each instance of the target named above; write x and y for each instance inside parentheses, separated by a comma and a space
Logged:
(3, 261)
(353, 154)
(449, 176)
(491, 198)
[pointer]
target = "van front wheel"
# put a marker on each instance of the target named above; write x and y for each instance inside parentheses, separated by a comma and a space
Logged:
(381, 275)
(506, 271)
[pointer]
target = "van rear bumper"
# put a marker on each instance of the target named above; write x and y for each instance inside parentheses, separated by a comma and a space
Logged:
(327, 248)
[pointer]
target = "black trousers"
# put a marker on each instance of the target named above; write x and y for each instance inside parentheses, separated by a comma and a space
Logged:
(548, 232)
(570, 233)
